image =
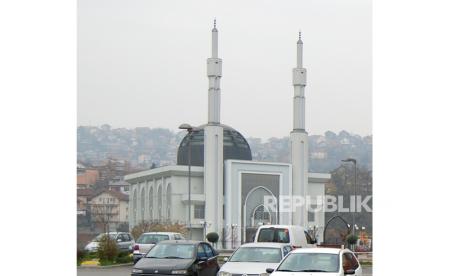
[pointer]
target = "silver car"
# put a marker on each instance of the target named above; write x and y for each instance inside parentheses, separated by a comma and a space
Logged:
(124, 240)
(147, 240)
(254, 259)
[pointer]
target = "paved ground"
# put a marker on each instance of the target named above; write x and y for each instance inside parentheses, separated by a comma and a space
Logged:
(126, 271)
(114, 271)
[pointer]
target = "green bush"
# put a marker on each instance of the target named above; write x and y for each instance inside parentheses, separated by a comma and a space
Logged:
(107, 250)
(213, 237)
(352, 239)
(124, 259)
(80, 256)
(145, 226)
(90, 255)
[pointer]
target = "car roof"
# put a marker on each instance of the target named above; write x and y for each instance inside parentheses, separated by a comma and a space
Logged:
(182, 242)
(265, 244)
(165, 233)
(318, 250)
(280, 226)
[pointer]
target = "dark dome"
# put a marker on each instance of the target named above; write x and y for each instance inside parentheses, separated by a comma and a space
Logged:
(234, 146)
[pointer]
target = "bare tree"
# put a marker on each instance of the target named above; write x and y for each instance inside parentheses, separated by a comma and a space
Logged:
(104, 213)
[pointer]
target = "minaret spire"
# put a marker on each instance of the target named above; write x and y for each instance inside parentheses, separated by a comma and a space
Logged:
(213, 143)
(299, 81)
(214, 40)
(299, 137)
(300, 46)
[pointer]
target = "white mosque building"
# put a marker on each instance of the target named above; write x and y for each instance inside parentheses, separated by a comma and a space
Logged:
(228, 188)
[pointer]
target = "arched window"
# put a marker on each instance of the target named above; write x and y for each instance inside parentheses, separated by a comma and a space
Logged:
(159, 202)
(134, 206)
(151, 203)
(254, 199)
(168, 201)
(142, 204)
(260, 216)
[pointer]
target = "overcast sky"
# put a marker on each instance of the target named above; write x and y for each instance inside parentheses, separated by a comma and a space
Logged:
(143, 63)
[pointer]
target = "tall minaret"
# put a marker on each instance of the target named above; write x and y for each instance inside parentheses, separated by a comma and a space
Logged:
(299, 138)
(213, 144)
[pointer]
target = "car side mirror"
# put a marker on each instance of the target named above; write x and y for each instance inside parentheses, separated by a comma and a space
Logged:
(349, 272)
(269, 270)
(118, 240)
(225, 259)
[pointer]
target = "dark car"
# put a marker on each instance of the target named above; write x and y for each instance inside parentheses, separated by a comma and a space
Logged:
(178, 257)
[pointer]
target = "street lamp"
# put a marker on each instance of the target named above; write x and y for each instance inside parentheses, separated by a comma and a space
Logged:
(190, 130)
(355, 190)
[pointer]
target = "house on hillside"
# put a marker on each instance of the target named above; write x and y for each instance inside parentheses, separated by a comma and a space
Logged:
(109, 210)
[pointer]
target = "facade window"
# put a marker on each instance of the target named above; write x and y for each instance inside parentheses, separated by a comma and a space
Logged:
(261, 216)
(311, 212)
(142, 204)
(168, 201)
(199, 211)
(311, 216)
(159, 202)
(151, 203)
(134, 205)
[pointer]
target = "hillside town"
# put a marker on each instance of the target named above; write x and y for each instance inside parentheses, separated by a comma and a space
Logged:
(144, 147)
(106, 155)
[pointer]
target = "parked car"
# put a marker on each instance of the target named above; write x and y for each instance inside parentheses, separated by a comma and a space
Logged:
(146, 241)
(124, 240)
(294, 235)
(178, 257)
(254, 258)
(328, 261)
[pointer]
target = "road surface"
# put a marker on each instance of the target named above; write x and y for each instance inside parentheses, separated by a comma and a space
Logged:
(126, 271)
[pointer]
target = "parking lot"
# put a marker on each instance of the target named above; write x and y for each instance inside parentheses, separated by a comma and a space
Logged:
(126, 270)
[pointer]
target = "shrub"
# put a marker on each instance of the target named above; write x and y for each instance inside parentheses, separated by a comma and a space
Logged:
(352, 239)
(107, 250)
(124, 258)
(80, 256)
(213, 237)
(144, 227)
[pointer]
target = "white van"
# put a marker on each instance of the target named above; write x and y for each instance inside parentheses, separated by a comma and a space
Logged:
(294, 235)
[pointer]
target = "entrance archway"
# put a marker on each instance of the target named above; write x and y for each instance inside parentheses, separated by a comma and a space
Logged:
(255, 213)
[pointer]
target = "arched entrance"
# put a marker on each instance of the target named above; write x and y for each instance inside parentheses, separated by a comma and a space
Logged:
(255, 213)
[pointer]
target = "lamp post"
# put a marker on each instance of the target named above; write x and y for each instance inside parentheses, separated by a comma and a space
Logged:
(355, 190)
(190, 130)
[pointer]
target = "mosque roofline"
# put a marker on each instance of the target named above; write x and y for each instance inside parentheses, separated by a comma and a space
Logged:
(171, 170)
(257, 162)
(314, 177)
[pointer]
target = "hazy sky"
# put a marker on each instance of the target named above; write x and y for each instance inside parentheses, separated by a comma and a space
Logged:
(143, 63)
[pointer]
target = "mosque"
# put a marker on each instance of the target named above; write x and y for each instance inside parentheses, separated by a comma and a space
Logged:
(227, 187)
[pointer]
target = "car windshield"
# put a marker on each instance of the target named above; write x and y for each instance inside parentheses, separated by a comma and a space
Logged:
(172, 251)
(257, 254)
(152, 238)
(273, 235)
(100, 236)
(310, 262)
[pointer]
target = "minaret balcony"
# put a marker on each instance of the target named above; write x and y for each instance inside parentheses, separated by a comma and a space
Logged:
(299, 76)
(214, 66)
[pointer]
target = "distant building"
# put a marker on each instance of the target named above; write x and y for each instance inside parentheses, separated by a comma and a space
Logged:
(321, 155)
(119, 185)
(109, 209)
(83, 208)
(86, 178)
